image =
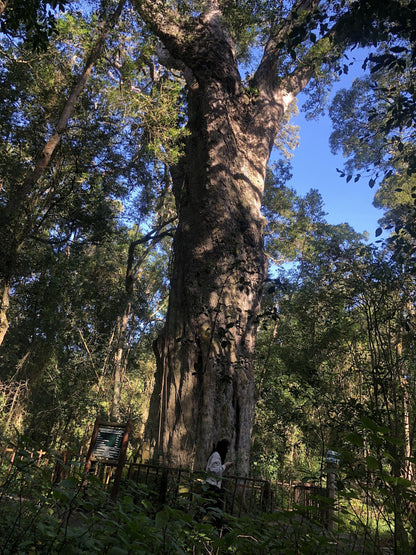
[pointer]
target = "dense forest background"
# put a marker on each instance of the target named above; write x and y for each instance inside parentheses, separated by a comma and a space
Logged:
(90, 125)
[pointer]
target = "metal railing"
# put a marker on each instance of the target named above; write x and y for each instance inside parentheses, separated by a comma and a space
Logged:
(243, 495)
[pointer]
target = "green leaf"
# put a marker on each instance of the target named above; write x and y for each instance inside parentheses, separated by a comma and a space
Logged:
(404, 482)
(372, 463)
(368, 423)
(161, 520)
(355, 439)
(395, 440)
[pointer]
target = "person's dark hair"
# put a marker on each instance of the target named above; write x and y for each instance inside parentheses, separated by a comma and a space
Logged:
(222, 448)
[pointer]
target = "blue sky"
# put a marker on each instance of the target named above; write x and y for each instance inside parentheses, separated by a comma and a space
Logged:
(314, 166)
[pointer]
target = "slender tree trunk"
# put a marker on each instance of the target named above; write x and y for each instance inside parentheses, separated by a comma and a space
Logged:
(18, 225)
(133, 272)
(4, 306)
(3, 6)
(119, 361)
(407, 466)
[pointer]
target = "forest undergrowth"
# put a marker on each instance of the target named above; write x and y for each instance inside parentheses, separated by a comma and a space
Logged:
(76, 516)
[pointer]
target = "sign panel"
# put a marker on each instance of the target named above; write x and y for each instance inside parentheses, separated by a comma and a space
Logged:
(332, 457)
(108, 442)
(109, 446)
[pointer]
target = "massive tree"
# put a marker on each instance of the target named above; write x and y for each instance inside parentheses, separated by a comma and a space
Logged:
(204, 381)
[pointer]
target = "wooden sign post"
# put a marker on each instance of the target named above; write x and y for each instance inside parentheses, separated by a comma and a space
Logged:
(332, 461)
(108, 444)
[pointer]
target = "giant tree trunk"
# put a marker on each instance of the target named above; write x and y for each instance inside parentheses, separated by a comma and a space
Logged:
(204, 380)
(205, 358)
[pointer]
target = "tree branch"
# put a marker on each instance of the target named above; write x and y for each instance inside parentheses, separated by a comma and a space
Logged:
(154, 236)
(329, 47)
(198, 45)
(166, 23)
(266, 75)
(3, 6)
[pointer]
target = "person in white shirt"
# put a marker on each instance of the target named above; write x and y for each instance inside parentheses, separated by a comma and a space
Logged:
(216, 465)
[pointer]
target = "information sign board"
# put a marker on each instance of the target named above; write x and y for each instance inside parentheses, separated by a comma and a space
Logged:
(108, 446)
(108, 443)
(332, 457)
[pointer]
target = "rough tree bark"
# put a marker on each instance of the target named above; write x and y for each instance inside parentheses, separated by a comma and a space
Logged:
(204, 380)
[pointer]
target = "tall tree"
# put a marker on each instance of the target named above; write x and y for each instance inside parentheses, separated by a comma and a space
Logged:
(374, 127)
(204, 383)
(26, 202)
